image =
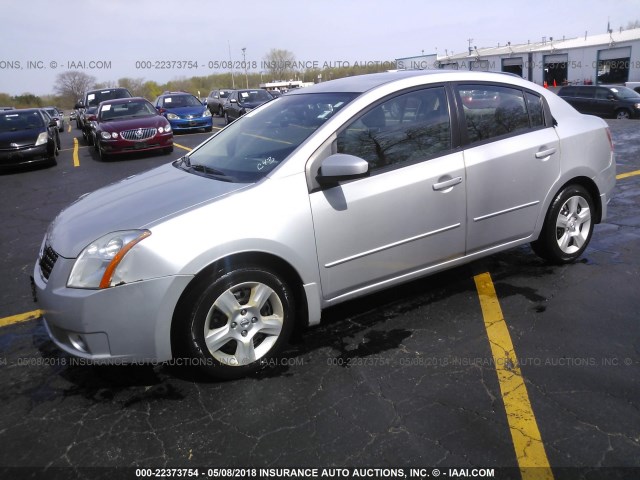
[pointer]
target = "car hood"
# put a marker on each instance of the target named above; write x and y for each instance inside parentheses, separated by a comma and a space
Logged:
(153, 121)
(133, 203)
(21, 138)
(187, 110)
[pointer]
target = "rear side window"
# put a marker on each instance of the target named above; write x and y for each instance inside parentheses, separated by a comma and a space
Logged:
(409, 127)
(492, 111)
(536, 110)
(584, 92)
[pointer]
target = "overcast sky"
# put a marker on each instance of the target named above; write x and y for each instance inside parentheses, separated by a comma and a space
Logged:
(119, 33)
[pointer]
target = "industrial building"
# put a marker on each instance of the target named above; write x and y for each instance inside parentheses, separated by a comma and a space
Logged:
(609, 58)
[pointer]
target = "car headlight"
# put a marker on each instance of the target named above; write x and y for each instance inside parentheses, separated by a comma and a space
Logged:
(172, 116)
(108, 136)
(165, 129)
(637, 105)
(42, 138)
(206, 113)
(96, 266)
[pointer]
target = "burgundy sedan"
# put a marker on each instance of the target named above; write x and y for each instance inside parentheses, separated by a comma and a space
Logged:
(129, 125)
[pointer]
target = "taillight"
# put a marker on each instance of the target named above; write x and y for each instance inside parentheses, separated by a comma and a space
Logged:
(610, 139)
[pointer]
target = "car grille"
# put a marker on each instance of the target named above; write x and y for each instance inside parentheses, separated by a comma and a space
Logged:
(47, 261)
(138, 134)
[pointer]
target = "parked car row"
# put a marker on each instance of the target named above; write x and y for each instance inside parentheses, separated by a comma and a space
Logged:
(232, 104)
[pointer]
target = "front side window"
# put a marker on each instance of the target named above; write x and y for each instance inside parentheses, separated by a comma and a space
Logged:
(251, 147)
(493, 111)
(410, 127)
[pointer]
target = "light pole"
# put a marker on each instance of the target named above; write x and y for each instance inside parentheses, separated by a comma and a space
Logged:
(244, 61)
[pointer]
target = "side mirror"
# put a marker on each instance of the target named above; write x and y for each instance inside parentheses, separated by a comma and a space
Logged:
(341, 166)
(611, 96)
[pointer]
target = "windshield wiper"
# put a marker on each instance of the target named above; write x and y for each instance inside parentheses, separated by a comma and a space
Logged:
(212, 172)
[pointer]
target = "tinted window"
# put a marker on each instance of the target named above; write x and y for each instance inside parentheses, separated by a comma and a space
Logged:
(536, 110)
(177, 101)
(410, 127)
(94, 98)
(502, 111)
(584, 92)
(601, 93)
(567, 92)
(12, 122)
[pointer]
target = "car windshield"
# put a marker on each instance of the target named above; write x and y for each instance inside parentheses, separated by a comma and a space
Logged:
(119, 111)
(225, 93)
(11, 122)
(624, 92)
(253, 96)
(250, 148)
(52, 111)
(94, 98)
(177, 101)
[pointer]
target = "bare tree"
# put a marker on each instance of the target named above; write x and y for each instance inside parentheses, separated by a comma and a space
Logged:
(134, 85)
(72, 84)
(632, 25)
(280, 64)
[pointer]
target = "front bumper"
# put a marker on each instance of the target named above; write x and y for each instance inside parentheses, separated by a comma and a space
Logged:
(125, 324)
(24, 155)
(157, 142)
(183, 124)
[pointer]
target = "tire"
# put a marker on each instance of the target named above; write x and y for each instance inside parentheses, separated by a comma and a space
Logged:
(208, 129)
(226, 118)
(623, 114)
(220, 111)
(168, 150)
(104, 157)
(247, 316)
(568, 226)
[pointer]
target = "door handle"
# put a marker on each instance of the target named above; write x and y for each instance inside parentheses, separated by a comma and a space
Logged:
(546, 153)
(447, 184)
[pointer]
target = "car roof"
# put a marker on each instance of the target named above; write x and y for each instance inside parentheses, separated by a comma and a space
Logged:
(364, 83)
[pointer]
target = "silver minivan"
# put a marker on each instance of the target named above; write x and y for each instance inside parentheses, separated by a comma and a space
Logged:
(325, 194)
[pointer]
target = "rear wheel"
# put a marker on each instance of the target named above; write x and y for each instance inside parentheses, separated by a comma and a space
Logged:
(238, 320)
(623, 114)
(568, 226)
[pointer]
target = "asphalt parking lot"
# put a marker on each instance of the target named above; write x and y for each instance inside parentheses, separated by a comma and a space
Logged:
(405, 378)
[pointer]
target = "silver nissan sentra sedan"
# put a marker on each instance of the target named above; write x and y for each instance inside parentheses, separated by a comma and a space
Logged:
(320, 196)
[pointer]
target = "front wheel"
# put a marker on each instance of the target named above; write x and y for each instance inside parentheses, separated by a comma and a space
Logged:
(568, 226)
(239, 320)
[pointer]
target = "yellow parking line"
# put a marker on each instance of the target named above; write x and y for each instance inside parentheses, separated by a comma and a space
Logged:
(23, 317)
(182, 147)
(69, 129)
(76, 160)
(628, 174)
(527, 441)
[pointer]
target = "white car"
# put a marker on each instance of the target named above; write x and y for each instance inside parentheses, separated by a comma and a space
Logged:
(325, 194)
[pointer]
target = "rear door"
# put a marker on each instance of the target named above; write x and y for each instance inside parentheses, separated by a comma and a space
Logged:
(511, 161)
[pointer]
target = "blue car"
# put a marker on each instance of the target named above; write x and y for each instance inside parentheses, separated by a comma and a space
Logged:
(184, 112)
